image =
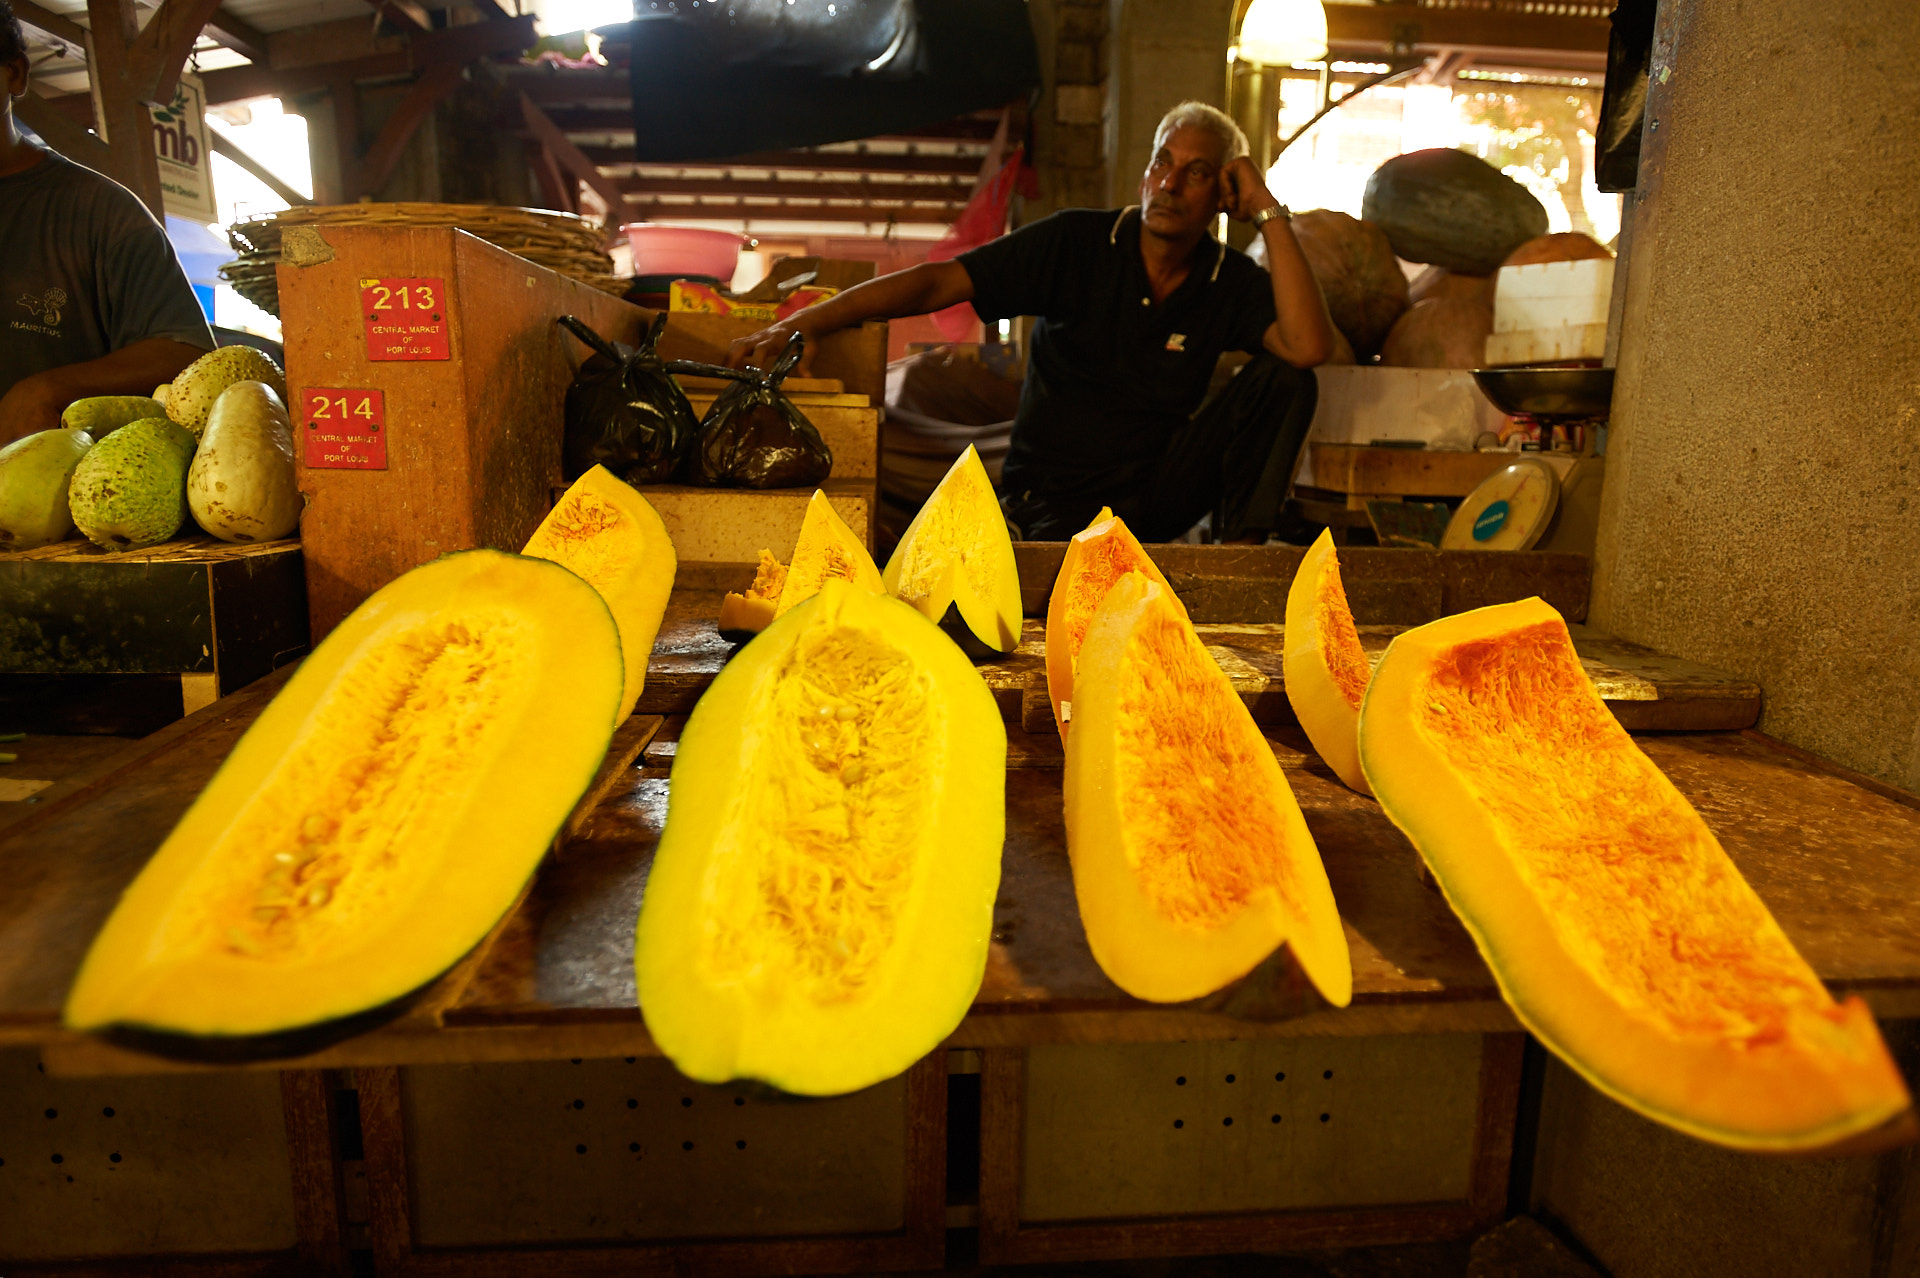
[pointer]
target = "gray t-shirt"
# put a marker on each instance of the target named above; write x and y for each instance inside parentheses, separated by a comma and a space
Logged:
(84, 271)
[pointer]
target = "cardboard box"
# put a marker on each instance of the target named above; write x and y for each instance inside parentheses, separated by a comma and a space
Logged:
(1551, 295)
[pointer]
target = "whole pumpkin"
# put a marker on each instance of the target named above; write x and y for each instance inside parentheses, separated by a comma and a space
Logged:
(1441, 332)
(1357, 273)
(1451, 209)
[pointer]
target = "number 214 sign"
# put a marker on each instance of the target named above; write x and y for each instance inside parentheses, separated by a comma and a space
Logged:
(343, 429)
(405, 319)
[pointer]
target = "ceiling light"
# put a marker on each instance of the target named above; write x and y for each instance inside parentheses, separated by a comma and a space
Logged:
(1280, 32)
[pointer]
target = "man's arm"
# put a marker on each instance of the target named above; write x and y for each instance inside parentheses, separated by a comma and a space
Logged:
(1301, 334)
(35, 403)
(930, 286)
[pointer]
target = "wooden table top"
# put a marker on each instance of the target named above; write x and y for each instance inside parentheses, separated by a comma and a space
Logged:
(1831, 854)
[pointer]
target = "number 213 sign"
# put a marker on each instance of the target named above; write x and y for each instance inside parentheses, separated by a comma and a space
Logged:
(406, 319)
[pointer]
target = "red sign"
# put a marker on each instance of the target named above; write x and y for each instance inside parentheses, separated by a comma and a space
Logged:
(343, 429)
(405, 319)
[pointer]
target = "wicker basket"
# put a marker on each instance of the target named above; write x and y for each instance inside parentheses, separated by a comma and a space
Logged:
(559, 241)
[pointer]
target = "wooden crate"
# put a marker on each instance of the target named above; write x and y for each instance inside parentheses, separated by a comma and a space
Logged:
(472, 441)
(1111, 1151)
(594, 1166)
(848, 424)
(223, 1175)
(856, 357)
(218, 615)
(733, 525)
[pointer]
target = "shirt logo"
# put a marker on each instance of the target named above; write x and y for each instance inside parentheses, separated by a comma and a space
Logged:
(1176, 341)
(47, 307)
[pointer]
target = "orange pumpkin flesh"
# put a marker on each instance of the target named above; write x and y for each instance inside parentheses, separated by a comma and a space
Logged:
(1097, 556)
(743, 616)
(1191, 860)
(1619, 930)
(827, 550)
(1326, 668)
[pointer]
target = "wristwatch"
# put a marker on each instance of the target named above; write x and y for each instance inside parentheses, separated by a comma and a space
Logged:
(1265, 216)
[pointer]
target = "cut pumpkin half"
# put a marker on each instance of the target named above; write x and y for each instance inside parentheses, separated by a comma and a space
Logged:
(1097, 556)
(1191, 860)
(826, 551)
(820, 906)
(604, 530)
(956, 554)
(377, 820)
(1326, 669)
(1619, 930)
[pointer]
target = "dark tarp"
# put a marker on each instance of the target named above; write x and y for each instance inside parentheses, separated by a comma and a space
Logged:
(1623, 104)
(717, 78)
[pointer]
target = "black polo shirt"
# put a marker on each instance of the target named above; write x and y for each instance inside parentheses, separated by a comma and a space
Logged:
(1111, 375)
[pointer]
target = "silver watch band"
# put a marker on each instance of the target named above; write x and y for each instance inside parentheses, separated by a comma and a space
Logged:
(1265, 216)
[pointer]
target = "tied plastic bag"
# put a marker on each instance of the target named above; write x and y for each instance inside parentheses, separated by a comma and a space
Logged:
(624, 411)
(753, 436)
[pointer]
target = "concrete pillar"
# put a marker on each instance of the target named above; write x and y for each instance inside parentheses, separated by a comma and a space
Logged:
(1762, 505)
(1159, 54)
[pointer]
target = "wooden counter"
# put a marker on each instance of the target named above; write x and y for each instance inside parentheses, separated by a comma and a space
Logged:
(1830, 853)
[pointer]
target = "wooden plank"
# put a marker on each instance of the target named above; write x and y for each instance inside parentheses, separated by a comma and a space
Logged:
(732, 525)
(224, 145)
(794, 386)
(851, 430)
(856, 357)
(44, 19)
(1410, 472)
(1391, 586)
(1646, 690)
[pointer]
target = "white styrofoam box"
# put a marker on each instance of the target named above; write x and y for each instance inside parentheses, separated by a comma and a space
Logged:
(1543, 345)
(1441, 407)
(1552, 295)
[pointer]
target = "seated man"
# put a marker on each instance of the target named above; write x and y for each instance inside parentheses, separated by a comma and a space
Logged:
(1134, 308)
(94, 298)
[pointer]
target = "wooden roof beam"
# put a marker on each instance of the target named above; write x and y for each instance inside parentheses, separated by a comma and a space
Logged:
(405, 14)
(56, 25)
(953, 193)
(224, 145)
(454, 44)
(640, 208)
(238, 34)
(1381, 26)
(967, 166)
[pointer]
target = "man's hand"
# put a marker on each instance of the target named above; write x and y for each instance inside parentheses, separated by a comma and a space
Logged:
(760, 350)
(33, 405)
(1243, 192)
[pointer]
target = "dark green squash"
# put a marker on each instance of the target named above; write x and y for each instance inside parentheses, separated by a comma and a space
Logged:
(1451, 209)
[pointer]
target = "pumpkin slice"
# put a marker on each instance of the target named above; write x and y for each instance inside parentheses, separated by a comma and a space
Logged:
(827, 551)
(605, 531)
(819, 908)
(1620, 932)
(376, 821)
(1191, 860)
(1097, 556)
(956, 554)
(744, 616)
(1326, 668)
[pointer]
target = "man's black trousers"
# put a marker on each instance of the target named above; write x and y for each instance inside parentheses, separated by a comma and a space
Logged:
(1234, 458)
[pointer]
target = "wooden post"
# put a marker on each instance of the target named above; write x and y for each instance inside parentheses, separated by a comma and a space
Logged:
(125, 121)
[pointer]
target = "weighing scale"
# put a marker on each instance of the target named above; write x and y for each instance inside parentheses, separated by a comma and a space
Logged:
(1549, 500)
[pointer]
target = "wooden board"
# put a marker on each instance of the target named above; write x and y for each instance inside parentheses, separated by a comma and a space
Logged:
(1386, 586)
(1645, 690)
(1410, 472)
(732, 525)
(710, 386)
(1831, 857)
(855, 357)
(472, 442)
(195, 605)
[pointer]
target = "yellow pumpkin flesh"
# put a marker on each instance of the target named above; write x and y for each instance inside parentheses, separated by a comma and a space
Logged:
(746, 615)
(1326, 669)
(820, 906)
(1619, 930)
(826, 551)
(378, 818)
(956, 554)
(1191, 860)
(605, 531)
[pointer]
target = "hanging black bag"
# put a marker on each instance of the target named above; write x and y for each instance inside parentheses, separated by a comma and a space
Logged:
(753, 436)
(625, 412)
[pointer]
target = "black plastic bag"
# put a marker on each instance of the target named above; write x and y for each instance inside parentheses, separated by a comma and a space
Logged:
(753, 436)
(1623, 103)
(624, 411)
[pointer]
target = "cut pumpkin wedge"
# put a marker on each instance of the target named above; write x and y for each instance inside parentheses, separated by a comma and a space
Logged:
(827, 551)
(606, 532)
(1326, 668)
(1621, 933)
(743, 616)
(956, 554)
(1097, 556)
(1191, 860)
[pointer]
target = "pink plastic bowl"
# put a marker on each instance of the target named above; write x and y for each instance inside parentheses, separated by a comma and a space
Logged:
(683, 250)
